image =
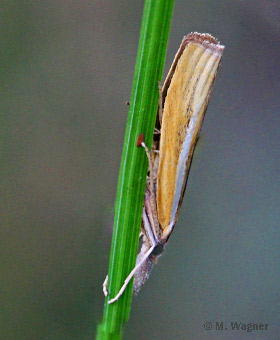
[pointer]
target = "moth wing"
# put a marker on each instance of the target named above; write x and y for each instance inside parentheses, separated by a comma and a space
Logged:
(188, 87)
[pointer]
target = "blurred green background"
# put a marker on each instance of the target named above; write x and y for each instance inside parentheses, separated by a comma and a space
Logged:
(66, 73)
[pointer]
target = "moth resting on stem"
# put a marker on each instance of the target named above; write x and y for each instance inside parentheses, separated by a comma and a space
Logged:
(184, 100)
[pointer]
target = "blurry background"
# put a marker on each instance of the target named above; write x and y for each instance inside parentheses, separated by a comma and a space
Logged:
(66, 73)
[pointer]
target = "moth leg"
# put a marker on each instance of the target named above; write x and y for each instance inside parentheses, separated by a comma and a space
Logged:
(150, 201)
(151, 167)
(105, 285)
(152, 242)
(156, 131)
(130, 276)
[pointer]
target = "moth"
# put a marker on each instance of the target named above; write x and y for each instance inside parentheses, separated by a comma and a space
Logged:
(184, 100)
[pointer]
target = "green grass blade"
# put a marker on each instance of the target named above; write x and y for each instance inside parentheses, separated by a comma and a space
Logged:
(132, 177)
